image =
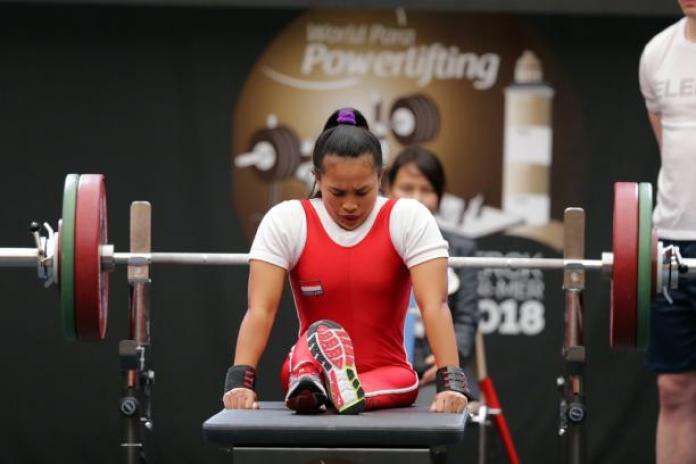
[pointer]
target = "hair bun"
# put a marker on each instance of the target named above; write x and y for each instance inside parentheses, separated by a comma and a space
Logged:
(346, 116)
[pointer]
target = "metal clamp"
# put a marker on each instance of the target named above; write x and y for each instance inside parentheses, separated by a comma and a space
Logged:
(46, 259)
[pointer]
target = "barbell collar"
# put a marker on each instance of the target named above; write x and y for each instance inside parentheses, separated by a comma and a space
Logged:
(107, 257)
(607, 263)
(688, 267)
(674, 271)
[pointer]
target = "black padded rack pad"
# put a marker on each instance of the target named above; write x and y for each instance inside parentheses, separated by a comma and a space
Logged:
(275, 425)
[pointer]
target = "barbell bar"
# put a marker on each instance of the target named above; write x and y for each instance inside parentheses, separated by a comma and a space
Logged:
(28, 257)
(638, 259)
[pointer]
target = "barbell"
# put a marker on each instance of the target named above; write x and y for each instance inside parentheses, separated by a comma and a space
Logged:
(78, 258)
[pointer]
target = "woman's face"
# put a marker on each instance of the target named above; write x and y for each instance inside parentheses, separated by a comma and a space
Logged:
(411, 183)
(349, 188)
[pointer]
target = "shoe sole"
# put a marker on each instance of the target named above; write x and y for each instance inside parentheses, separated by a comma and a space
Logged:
(306, 397)
(331, 346)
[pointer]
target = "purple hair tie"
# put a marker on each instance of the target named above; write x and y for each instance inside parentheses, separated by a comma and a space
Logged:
(346, 116)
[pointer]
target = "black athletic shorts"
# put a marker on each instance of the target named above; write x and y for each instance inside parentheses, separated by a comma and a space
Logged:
(672, 345)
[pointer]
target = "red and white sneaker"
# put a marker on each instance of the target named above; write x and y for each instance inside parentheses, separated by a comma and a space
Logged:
(306, 393)
(332, 347)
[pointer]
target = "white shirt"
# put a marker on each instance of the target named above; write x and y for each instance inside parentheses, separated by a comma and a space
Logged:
(668, 83)
(282, 234)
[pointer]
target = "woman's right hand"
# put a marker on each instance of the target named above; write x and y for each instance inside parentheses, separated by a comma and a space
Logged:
(240, 398)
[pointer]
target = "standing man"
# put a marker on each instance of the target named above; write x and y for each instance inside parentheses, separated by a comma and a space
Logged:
(668, 83)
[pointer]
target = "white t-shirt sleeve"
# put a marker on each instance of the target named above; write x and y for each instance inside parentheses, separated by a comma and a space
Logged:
(281, 236)
(645, 77)
(415, 233)
(651, 61)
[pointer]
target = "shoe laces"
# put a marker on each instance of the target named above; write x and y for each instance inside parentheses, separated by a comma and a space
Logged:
(306, 368)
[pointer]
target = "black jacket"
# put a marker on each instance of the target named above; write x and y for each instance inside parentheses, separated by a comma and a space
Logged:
(463, 304)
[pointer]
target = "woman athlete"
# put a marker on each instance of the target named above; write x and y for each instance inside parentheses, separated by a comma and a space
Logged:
(352, 258)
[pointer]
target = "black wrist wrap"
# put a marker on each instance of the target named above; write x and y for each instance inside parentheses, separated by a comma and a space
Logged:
(240, 377)
(451, 378)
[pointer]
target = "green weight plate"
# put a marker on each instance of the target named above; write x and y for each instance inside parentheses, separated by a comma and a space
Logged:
(67, 257)
(645, 264)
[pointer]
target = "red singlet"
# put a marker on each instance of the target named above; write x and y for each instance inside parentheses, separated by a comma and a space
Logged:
(365, 288)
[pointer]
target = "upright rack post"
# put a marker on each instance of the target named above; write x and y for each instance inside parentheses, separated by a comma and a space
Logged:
(134, 352)
(571, 386)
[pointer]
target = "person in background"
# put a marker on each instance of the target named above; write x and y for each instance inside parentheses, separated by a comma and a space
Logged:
(417, 173)
(667, 75)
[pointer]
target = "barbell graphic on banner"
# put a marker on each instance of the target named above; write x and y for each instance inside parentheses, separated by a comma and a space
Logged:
(78, 259)
(414, 119)
(275, 152)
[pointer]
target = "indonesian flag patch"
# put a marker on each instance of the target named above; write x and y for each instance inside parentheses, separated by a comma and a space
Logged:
(311, 287)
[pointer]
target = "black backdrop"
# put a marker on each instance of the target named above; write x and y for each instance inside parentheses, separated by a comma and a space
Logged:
(145, 96)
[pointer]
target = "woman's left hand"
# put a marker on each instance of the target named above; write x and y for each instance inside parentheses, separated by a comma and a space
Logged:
(449, 401)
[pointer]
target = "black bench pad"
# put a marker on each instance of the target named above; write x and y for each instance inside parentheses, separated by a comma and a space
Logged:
(274, 425)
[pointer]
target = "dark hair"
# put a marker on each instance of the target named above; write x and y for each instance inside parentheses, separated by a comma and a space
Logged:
(427, 163)
(346, 134)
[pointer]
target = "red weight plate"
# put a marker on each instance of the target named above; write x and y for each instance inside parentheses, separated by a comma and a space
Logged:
(622, 320)
(91, 282)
